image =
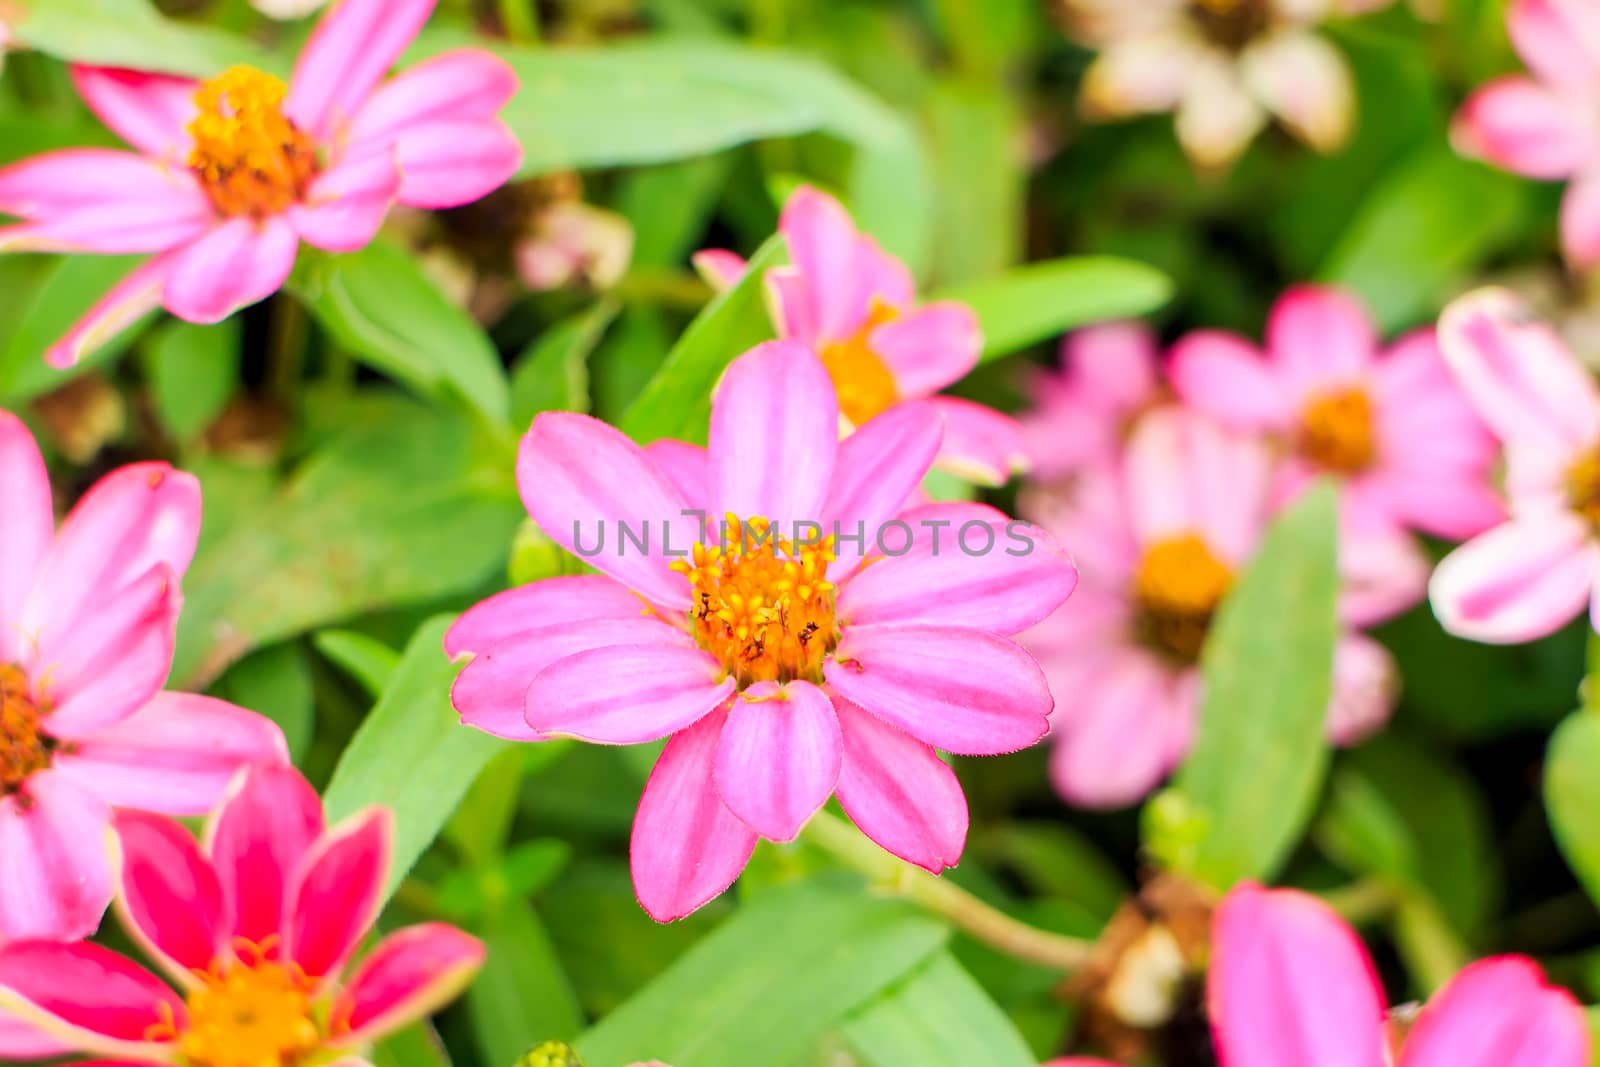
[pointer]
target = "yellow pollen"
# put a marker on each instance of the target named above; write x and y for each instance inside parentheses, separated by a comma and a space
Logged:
(1336, 432)
(1583, 488)
(23, 749)
(1178, 586)
(250, 1013)
(864, 384)
(247, 154)
(762, 605)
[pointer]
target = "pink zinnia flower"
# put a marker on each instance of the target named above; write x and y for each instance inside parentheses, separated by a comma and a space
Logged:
(1291, 983)
(1390, 425)
(783, 668)
(854, 306)
(1543, 126)
(254, 929)
(88, 616)
(233, 173)
(1160, 539)
(1533, 574)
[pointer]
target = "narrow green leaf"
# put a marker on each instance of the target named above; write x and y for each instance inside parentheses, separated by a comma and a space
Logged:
(415, 1046)
(1572, 795)
(522, 996)
(193, 371)
(60, 294)
(552, 374)
(366, 659)
(276, 682)
(939, 1017)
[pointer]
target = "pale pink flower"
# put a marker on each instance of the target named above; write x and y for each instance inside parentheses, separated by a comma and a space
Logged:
(1545, 126)
(1389, 425)
(255, 929)
(88, 615)
(1291, 983)
(1537, 571)
(571, 242)
(784, 671)
(230, 175)
(1159, 540)
(1082, 412)
(854, 305)
(287, 9)
(1224, 66)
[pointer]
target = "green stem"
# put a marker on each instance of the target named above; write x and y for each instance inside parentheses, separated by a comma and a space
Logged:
(946, 899)
(286, 348)
(520, 20)
(1365, 901)
(1590, 689)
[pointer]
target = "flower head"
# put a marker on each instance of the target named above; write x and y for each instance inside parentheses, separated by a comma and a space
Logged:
(255, 929)
(88, 615)
(785, 622)
(231, 174)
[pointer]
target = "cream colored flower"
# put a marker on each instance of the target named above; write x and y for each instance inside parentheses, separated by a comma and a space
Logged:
(287, 9)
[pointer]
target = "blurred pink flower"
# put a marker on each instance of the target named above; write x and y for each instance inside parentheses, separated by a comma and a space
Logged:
(571, 242)
(1225, 67)
(1159, 540)
(255, 928)
(233, 173)
(88, 616)
(854, 305)
(1543, 126)
(1533, 574)
(783, 668)
(1291, 983)
(1082, 413)
(1391, 426)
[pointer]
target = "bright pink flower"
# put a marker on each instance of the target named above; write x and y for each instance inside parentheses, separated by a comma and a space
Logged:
(88, 616)
(1290, 983)
(1160, 539)
(256, 929)
(783, 671)
(1082, 413)
(1533, 574)
(1390, 425)
(1543, 126)
(232, 174)
(854, 305)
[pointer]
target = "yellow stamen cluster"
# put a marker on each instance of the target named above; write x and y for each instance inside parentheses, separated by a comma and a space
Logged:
(1178, 586)
(864, 384)
(1583, 488)
(251, 159)
(1232, 24)
(762, 606)
(24, 750)
(253, 1012)
(1336, 431)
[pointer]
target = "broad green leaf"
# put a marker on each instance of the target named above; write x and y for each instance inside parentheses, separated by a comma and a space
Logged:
(415, 1046)
(56, 296)
(412, 755)
(677, 402)
(130, 33)
(1572, 795)
(276, 682)
(366, 659)
(1251, 781)
(522, 996)
(977, 146)
(481, 826)
(1036, 302)
(767, 983)
(193, 371)
(552, 374)
(939, 1017)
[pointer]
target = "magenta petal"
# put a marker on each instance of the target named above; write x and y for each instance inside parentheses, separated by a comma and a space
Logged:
(1227, 378)
(921, 679)
(626, 694)
(351, 50)
(124, 304)
(88, 995)
(152, 112)
(464, 85)
(687, 847)
(447, 164)
(237, 264)
(899, 792)
(27, 531)
(257, 841)
(339, 891)
(543, 605)
(878, 469)
(688, 467)
(930, 348)
(170, 899)
(345, 206)
(411, 973)
(1290, 983)
(123, 187)
(774, 434)
(1318, 335)
(981, 444)
(55, 866)
(779, 757)
(1517, 582)
(19, 1041)
(1499, 1013)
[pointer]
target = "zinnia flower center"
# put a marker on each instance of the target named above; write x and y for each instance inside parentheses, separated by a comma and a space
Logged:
(1177, 587)
(1583, 488)
(24, 750)
(763, 606)
(865, 386)
(1232, 24)
(1336, 431)
(251, 159)
(253, 1013)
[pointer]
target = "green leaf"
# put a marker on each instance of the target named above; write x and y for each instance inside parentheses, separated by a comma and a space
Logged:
(415, 1046)
(770, 981)
(366, 659)
(1251, 782)
(133, 35)
(276, 682)
(677, 402)
(522, 996)
(552, 374)
(1033, 303)
(1572, 795)
(57, 292)
(411, 754)
(939, 1017)
(193, 371)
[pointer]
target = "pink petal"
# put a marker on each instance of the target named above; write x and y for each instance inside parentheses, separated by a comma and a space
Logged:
(878, 469)
(930, 348)
(239, 263)
(779, 757)
(1119, 731)
(721, 269)
(774, 434)
(102, 183)
(25, 535)
(1226, 377)
(1305, 81)
(1186, 475)
(411, 974)
(920, 679)
(626, 694)
(338, 893)
(1366, 684)
(1114, 366)
(87, 995)
(980, 443)
(688, 467)
(828, 255)
(125, 304)
(152, 112)
(899, 792)
(1517, 582)
(1580, 220)
(1559, 40)
(257, 841)
(1518, 124)
(175, 755)
(170, 900)
(464, 85)
(1319, 336)
(19, 1041)
(114, 229)
(686, 846)
(345, 206)
(447, 164)
(1448, 505)
(1382, 573)
(584, 482)
(1291, 983)
(351, 50)
(529, 609)
(55, 867)
(1499, 1013)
